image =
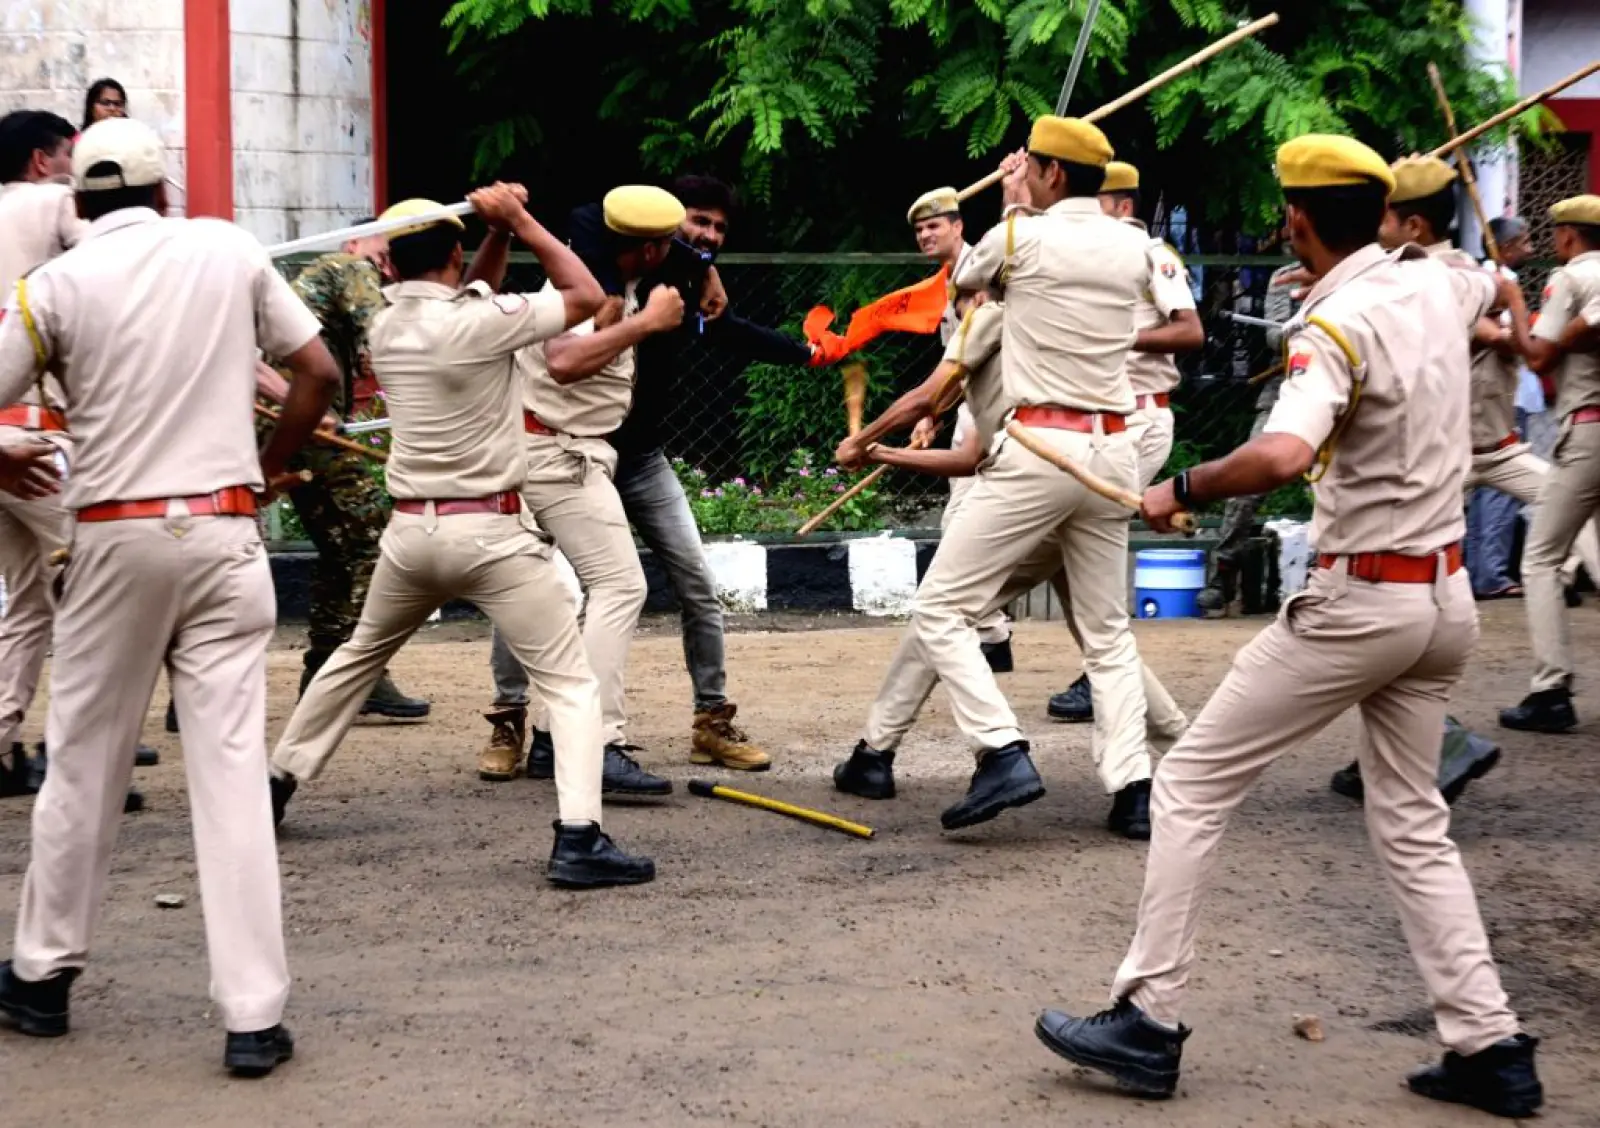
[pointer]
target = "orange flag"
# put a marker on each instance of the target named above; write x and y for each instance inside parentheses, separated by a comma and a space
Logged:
(917, 308)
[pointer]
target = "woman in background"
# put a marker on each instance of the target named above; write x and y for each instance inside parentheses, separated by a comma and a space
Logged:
(106, 99)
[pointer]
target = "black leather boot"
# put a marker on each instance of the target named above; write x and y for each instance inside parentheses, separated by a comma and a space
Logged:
(1500, 1080)
(624, 776)
(1347, 782)
(39, 1010)
(386, 700)
(14, 772)
(1549, 710)
(584, 857)
(542, 756)
(998, 655)
(867, 773)
(172, 715)
(1140, 1054)
(1130, 811)
(1005, 777)
(283, 789)
(258, 1053)
(1074, 704)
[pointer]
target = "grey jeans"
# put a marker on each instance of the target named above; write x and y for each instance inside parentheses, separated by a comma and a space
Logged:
(659, 511)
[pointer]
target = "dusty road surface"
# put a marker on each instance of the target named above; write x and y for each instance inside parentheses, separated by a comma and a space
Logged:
(777, 974)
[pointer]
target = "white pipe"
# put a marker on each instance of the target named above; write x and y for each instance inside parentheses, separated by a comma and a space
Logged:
(1246, 319)
(366, 426)
(364, 231)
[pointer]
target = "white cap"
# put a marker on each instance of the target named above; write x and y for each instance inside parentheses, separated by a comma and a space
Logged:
(130, 146)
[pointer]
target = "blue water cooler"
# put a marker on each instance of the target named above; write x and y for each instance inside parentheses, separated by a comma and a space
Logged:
(1167, 583)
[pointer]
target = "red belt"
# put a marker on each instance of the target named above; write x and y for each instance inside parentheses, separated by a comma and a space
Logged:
(1586, 415)
(1054, 418)
(230, 501)
(531, 424)
(508, 502)
(1509, 441)
(32, 418)
(1157, 399)
(1395, 568)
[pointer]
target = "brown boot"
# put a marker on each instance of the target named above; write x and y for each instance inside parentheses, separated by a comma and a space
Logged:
(717, 740)
(501, 758)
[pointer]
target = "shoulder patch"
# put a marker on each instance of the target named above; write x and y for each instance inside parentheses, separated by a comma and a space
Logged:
(1169, 270)
(510, 303)
(1298, 363)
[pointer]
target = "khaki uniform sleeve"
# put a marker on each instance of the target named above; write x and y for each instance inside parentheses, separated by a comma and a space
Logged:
(1556, 310)
(19, 359)
(977, 338)
(1169, 281)
(283, 323)
(1315, 392)
(983, 264)
(1475, 293)
(504, 323)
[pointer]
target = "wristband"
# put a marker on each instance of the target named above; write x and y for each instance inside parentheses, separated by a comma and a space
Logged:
(1180, 489)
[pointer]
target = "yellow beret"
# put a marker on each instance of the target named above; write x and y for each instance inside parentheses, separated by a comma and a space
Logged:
(941, 201)
(1069, 139)
(1120, 177)
(1577, 209)
(1324, 160)
(1416, 177)
(642, 211)
(405, 209)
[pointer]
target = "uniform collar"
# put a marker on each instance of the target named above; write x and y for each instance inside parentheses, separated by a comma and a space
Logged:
(433, 291)
(1443, 246)
(1359, 263)
(1587, 256)
(117, 220)
(1075, 205)
(1135, 221)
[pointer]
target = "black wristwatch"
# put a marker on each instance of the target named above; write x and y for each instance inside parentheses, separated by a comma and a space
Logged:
(1180, 488)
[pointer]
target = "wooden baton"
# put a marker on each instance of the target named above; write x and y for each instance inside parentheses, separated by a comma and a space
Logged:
(816, 818)
(1183, 522)
(1140, 91)
(1521, 107)
(855, 395)
(330, 440)
(1463, 164)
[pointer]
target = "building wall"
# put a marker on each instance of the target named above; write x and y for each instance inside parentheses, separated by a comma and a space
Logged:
(1559, 37)
(302, 115)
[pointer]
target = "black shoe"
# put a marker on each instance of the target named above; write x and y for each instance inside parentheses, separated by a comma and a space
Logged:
(15, 772)
(542, 756)
(145, 757)
(1130, 811)
(1074, 704)
(386, 700)
(172, 715)
(1500, 1080)
(1211, 600)
(1004, 778)
(1549, 710)
(1572, 595)
(584, 857)
(867, 773)
(38, 767)
(1466, 756)
(1142, 1056)
(998, 655)
(259, 1053)
(1347, 782)
(283, 789)
(624, 776)
(39, 1010)
(133, 802)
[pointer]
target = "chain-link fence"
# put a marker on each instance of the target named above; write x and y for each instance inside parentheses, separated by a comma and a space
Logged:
(754, 441)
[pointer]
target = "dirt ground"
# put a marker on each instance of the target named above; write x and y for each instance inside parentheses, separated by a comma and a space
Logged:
(778, 974)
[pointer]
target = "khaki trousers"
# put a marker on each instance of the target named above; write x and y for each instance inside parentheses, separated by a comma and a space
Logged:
(1566, 507)
(994, 627)
(29, 532)
(197, 594)
(495, 561)
(1153, 431)
(1522, 476)
(570, 493)
(1394, 651)
(1023, 509)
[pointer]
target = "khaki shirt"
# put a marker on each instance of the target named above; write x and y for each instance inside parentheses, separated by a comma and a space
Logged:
(590, 408)
(1070, 285)
(1401, 454)
(1493, 380)
(153, 325)
(976, 347)
(1573, 292)
(951, 320)
(1167, 294)
(37, 223)
(446, 360)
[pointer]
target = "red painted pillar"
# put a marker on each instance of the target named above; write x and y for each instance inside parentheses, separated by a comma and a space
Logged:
(380, 106)
(1582, 115)
(208, 108)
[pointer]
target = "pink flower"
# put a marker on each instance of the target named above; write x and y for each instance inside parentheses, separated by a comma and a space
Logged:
(738, 481)
(705, 493)
(830, 472)
(805, 471)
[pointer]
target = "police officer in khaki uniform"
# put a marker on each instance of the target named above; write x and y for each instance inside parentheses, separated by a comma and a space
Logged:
(1167, 323)
(1375, 407)
(576, 390)
(151, 326)
(1070, 277)
(1571, 492)
(445, 356)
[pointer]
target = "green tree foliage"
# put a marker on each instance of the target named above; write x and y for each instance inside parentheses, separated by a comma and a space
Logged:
(808, 95)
